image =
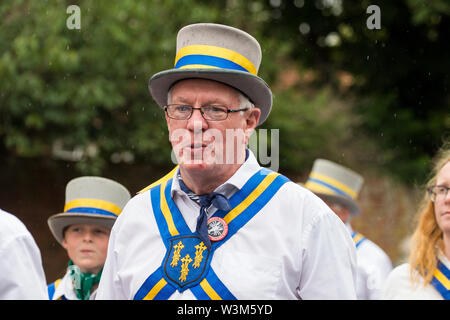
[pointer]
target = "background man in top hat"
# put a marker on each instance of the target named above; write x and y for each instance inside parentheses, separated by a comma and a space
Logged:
(339, 187)
(219, 226)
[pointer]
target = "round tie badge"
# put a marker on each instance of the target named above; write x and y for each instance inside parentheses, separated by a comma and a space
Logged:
(217, 228)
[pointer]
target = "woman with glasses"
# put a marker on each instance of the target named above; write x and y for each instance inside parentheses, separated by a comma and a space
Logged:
(427, 275)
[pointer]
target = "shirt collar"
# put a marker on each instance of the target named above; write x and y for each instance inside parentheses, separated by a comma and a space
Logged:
(229, 187)
(65, 288)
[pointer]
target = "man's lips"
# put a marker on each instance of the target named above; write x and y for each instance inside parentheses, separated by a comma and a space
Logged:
(195, 146)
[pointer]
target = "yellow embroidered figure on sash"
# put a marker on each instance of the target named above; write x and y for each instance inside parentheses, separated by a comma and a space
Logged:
(199, 254)
(176, 254)
(184, 267)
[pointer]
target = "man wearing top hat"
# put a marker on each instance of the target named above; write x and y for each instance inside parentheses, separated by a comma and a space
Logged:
(91, 207)
(339, 187)
(219, 226)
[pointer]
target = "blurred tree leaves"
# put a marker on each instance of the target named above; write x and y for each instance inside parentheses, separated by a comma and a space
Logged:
(400, 72)
(82, 94)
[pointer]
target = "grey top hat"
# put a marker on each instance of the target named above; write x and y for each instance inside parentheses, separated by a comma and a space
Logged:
(335, 182)
(220, 53)
(89, 200)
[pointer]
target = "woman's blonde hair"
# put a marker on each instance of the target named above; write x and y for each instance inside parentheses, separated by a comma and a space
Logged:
(427, 238)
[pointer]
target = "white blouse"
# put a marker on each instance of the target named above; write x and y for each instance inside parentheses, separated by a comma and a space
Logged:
(398, 285)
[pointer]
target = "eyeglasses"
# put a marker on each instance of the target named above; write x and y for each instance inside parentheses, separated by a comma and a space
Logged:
(437, 192)
(211, 113)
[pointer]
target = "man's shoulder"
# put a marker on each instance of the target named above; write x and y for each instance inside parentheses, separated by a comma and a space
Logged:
(11, 226)
(139, 201)
(369, 250)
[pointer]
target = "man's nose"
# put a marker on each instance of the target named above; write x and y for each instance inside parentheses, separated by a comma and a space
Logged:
(196, 122)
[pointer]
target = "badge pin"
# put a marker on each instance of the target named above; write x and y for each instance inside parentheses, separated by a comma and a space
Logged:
(217, 228)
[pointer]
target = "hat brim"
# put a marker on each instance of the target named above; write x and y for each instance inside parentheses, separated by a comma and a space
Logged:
(348, 203)
(255, 88)
(58, 222)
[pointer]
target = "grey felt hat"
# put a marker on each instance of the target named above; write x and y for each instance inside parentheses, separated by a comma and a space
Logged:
(220, 53)
(332, 181)
(90, 200)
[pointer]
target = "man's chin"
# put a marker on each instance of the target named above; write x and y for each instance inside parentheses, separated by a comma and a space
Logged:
(194, 165)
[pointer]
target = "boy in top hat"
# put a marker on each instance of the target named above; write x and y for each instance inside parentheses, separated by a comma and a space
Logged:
(339, 187)
(92, 206)
(219, 226)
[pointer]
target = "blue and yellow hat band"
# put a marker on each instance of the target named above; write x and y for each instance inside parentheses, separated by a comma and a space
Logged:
(323, 184)
(92, 206)
(205, 56)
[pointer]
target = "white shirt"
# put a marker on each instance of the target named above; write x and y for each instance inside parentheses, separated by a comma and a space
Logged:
(66, 288)
(295, 247)
(373, 266)
(21, 273)
(398, 285)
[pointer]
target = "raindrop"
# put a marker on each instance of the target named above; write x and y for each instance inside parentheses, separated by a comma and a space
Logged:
(304, 28)
(275, 3)
(299, 3)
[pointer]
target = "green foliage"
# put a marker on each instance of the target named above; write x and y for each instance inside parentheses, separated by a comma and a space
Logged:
(400, 71)
(82, 94)
(310, 126)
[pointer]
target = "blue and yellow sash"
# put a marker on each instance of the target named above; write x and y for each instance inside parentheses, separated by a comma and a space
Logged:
(51, 288)
(358, 238)
(186, 264)
(441, 280)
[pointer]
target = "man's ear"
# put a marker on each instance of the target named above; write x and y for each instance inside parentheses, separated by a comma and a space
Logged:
(252, 118)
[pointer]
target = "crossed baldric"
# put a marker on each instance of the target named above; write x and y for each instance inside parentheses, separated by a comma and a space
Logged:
(187, 265)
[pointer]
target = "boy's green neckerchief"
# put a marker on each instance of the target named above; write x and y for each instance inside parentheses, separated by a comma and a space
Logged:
(83, 282)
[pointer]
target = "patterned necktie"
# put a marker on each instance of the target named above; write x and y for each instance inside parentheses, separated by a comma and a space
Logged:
(216, 199)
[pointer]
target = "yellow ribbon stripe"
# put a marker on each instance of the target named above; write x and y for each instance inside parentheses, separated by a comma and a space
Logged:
(57, 282)
(217, 52)
(166, 212)
(357, 237)
(165, 178)
(199, 66)
(443, 279)
(209, 290)
(155, 290)
(319, 188)
(334, 183)
(251, 197)
(93, 203)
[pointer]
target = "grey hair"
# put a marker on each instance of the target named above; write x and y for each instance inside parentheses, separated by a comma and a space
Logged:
(244, 102)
